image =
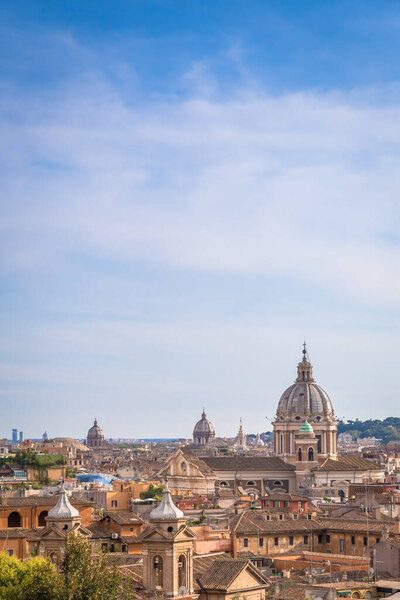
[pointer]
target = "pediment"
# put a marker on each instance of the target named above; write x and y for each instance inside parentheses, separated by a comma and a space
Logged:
(53, 533)
(184, 533)
(156, 534)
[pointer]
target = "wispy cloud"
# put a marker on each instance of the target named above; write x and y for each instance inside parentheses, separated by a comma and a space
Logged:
(299, 190)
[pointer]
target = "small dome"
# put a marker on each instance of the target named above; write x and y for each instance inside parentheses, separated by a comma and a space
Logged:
(204, 426)
(95, 430)
(166, 510)
(63, 509)
(306, 428)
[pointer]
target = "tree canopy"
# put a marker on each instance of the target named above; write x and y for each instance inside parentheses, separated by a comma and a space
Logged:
(81, 576)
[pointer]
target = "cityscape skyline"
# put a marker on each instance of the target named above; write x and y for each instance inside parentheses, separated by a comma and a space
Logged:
(184, 200)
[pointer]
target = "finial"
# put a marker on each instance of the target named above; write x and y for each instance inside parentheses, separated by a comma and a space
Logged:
(304, 348)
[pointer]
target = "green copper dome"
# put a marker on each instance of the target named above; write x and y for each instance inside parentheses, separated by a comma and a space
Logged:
(306, 428)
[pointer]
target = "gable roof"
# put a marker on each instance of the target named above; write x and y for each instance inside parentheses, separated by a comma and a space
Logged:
(123, 518)
(348, 463)
(247, 463)
(222, 573)
(8, 503)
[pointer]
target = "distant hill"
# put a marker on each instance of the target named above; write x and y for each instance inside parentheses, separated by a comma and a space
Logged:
(386, 430)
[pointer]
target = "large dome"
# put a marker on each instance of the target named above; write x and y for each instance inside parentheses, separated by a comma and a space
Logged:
(305, 398)
(203, 426)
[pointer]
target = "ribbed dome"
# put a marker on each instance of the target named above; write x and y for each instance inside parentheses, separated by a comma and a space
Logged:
(203, 426)
(305, 398)
(166, 510)
(63, 509)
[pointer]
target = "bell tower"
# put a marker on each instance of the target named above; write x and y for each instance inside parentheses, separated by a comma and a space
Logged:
(168, 551)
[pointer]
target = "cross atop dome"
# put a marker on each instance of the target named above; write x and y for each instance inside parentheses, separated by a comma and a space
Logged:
(304, 368)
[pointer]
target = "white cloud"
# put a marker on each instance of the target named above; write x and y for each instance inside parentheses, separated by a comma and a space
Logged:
(303, 185)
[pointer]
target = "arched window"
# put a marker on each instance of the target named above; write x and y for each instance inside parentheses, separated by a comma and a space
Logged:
(250, 483)
(277, 482)
(183, 467)
(42, 518)
(310, 454)
(158, 572)
(14, 519)
(300, 458)
(182, 571)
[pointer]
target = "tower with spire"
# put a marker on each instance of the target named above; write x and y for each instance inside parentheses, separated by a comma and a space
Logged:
(241, 440)
(168, 551)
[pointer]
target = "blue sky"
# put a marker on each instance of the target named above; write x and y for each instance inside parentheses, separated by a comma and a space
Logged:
(188, 189)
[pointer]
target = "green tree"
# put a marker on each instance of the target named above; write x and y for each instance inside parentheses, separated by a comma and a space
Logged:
(33, 579)
(152, 492)
(88, 578)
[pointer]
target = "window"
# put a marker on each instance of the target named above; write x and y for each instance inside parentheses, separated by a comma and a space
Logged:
(170, 529)
(291, 540)
(183, 467)
(42, 518)
(131, 529)
(309, 517)
(245, 543)
(158, 572)
(297, 418)
(377, 540)
(250, 483)
(14, 520)
(114, 503)
(353, 540)
(104, 547)
(328, 538)
(365, 541)
(300, 456)
(310, 454)
(10, 551)
(281, 517)
(294, 516)
(277, 483)
(320, 538)
(122, 487)
(223, 484)
(182, 571)
(305, 539)
(261, 542)
(341, 545)
(276, 541)
(268, 517)
(124, 548)
(112, 548)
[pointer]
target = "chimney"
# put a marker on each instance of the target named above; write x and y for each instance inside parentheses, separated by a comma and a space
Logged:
(233, 545)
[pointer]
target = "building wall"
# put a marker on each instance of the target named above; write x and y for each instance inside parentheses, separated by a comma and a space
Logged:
(30, 515)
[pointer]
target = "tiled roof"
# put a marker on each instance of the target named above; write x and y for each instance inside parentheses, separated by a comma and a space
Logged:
(247, 463)
(131, 539)
(8, 503)
(348, 463)
(222, 573)
(98, 532)
(287, 497)
(124, 518)
(251, 522)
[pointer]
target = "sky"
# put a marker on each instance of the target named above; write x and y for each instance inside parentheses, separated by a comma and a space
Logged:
(189, 189)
